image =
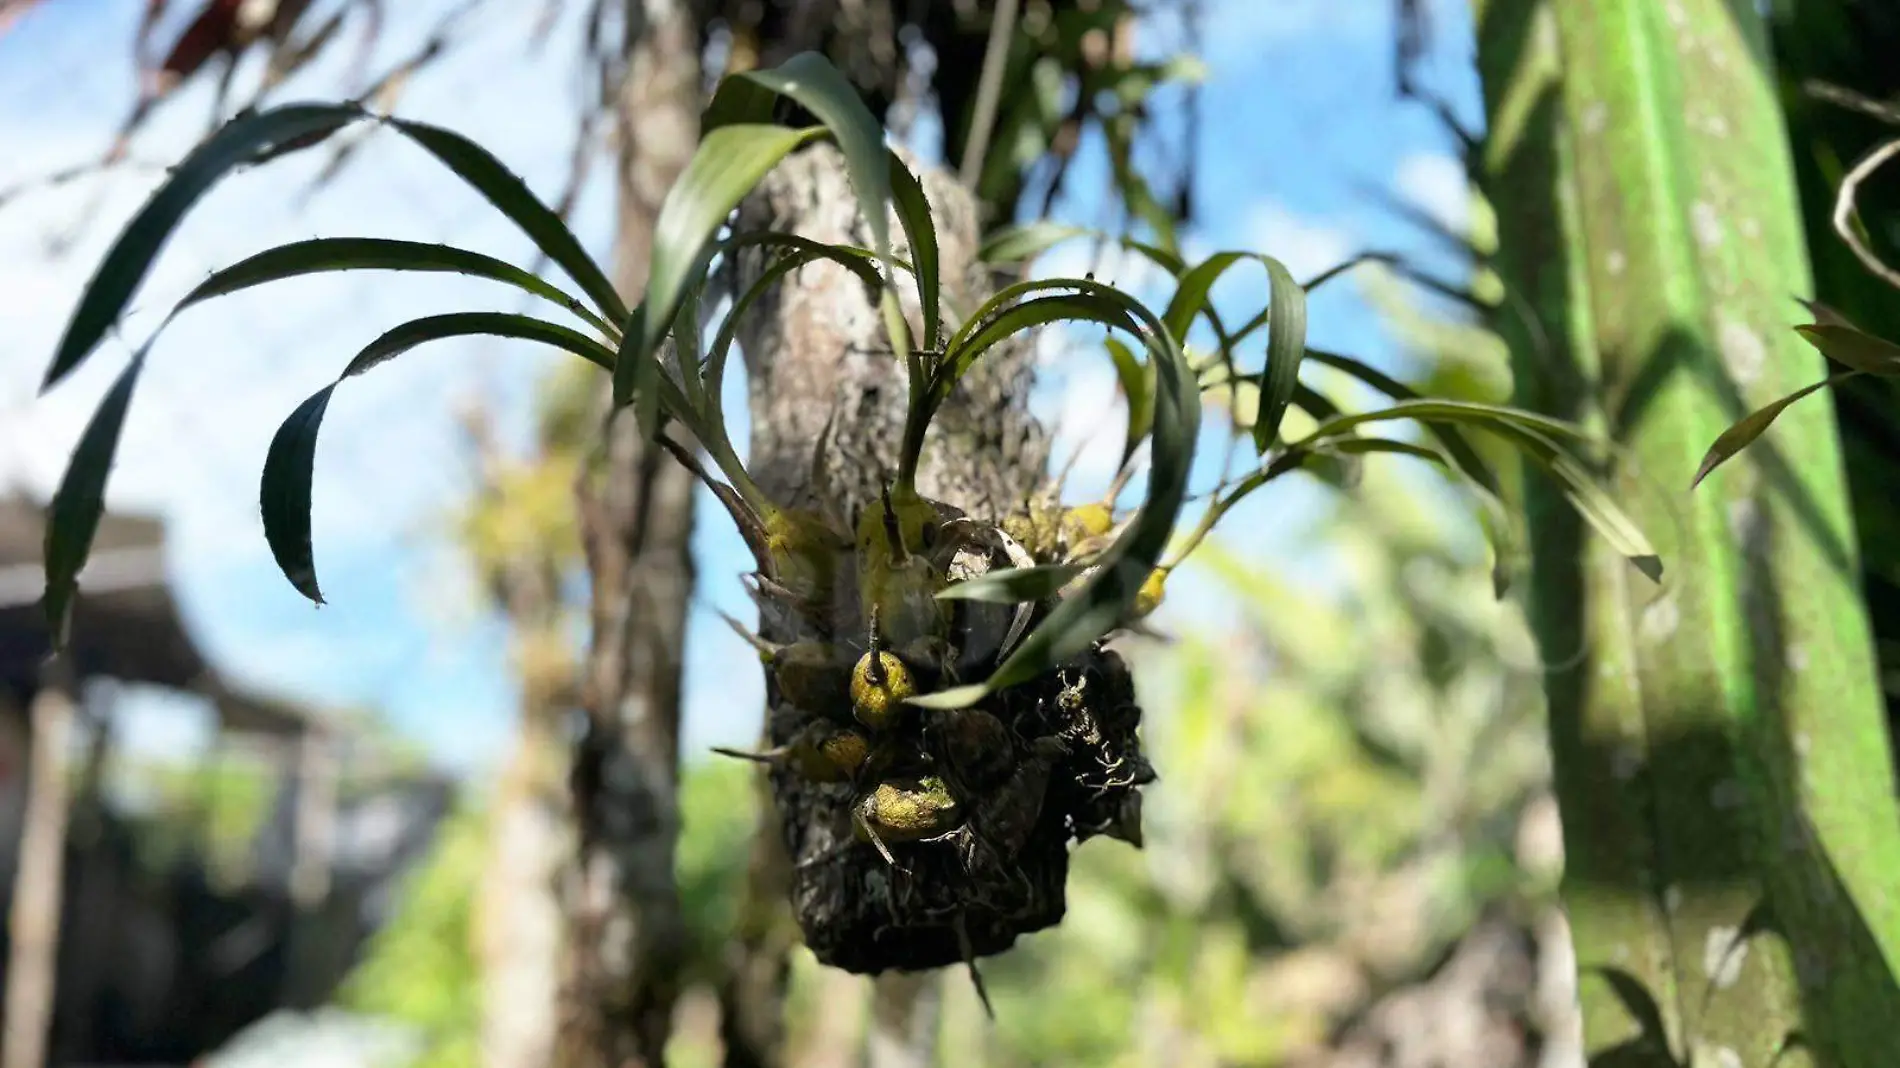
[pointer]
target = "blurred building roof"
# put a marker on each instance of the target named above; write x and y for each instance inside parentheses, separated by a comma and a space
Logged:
(125, 625)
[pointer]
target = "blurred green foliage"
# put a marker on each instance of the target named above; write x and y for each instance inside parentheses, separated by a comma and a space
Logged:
(420, 969)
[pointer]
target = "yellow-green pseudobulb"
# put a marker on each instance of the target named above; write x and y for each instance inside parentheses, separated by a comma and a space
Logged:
(879, 686)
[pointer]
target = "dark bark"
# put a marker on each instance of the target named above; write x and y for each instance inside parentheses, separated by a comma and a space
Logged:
(626, 940)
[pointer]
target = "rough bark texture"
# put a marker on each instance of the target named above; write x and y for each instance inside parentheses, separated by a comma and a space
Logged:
(828, 403)
(626, 938)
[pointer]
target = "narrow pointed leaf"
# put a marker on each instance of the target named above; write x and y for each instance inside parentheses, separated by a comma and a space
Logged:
(1460, 450)
(1137, 380)
(1750, 427)
(284, 493)
(1854, 348)
(729, 162)
(130, 258)
(80, 501)
(913, 213)
(1104, 601)
(1286, 345)
(810, 79)
(1535, 436)
(512, 197)
(1014, 585)
(371, 253)
(1015, 244)
(289, 468)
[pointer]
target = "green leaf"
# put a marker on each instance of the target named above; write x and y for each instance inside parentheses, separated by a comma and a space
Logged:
(512, 197)
(290, 466)
(1286, 330)
(794, 252)
(1015, 244)
(81, 499)
(372, 253)
(913, 212)
(1750, 427)
(729, 162)
(1534, 436)
(810, 79)
(1014, 585)
(1468, 459)
(130, 258)
(1137, 380)
(1854, 347)
(1469, 413)
(1104, 601)
(1286, 345)
(284, 493)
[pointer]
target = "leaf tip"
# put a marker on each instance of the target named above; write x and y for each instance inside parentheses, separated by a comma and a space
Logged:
(1650, 565)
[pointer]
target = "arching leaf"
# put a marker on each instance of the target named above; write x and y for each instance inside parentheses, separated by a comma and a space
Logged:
(130, 258)
(372, 253)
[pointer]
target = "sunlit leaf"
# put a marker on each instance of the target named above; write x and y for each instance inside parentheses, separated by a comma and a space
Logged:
(913, 213)
(1286, 345)
(1137, 380)
(371, 253)
(1855, 348)
(1013, 585)
(1534, 435)
(1105, 600)
(1751, 426)
(1460, 450)
(811, 80)
(130, 258)
(729, 162)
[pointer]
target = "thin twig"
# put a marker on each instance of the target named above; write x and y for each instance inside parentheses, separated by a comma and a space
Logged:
(988, 92)
(1845, 211)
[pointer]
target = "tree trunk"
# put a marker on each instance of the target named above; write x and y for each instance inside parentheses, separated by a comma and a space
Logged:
(1720, 754)
(33, 926)
(816, 372)
(626, 939)
(518, 907)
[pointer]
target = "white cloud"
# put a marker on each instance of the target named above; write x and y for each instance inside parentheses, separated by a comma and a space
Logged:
(1307, 246)
(1436, 184)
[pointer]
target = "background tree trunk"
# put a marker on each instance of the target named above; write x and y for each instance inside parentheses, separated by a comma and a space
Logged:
(33, 924)
(626, 939)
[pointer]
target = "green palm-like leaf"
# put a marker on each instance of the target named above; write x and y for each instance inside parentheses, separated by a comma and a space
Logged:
(327, 254)
(1535, 436)
(512, 197)
(729, 162)
(130, 258)
(1751, 426)
(80, 500)
(1137, 380)
(1286, 330)
(289, 466)
(1104, 601)
(1014, 585)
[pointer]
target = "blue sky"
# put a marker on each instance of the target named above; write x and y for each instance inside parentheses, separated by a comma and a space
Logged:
(1300, 116)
